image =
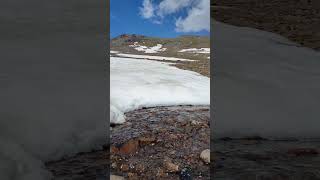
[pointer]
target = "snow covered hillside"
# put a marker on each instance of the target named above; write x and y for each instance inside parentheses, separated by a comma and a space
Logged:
(264, 84)
(186, 47)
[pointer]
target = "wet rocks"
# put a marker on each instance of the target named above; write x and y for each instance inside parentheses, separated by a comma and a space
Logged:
(85, 165)
(303, 152)
(257, 157)
(270, 159)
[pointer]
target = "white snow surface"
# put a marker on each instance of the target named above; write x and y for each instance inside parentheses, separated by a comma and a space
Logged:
(264, 85)
(153, 49)
(114, 52)
(161, 58)
(144, 83)
(196, 50)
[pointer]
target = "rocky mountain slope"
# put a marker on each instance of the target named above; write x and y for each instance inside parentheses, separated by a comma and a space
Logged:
(297, 20)
(188, 47)
(129, 43)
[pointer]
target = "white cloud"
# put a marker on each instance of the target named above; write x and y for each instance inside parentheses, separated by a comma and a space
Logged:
(147, 10)
(171, 6)
(197, 19)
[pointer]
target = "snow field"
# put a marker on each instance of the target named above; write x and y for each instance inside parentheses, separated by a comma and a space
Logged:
(143, 83)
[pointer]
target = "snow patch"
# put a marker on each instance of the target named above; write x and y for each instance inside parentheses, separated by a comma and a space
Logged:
(162, 58)
(142, 83)
(196, 50)
(153, 49)
(114, 52)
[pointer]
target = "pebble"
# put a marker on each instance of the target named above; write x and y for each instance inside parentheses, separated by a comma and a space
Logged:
(131, 174)
(205, 155)
(124, 167)
(115, 177)
(194, 122)
(171, 167)
(114, 165)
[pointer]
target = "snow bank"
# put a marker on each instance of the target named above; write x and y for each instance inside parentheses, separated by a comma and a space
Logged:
(114, 52)
(162, 58)
(52, 104)
(45, 123)
(264, 84)
(153, 49)
(142, 83)
(196, 50)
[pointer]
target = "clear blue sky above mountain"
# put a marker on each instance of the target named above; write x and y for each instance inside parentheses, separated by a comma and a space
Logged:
(159, 18)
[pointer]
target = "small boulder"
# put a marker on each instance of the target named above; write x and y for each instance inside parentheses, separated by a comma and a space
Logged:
(115, 177)
(205, 155)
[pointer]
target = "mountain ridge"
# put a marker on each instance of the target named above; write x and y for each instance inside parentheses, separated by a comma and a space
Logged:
(129, 43)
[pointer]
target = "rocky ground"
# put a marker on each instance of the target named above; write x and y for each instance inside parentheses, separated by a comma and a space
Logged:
(154, 143)
(162, 143)
(298, 20)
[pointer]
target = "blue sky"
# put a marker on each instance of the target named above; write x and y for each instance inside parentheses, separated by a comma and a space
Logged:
(156, 18)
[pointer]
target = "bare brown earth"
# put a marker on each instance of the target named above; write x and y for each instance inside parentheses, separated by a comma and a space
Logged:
(298, 20)
(202, 66)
